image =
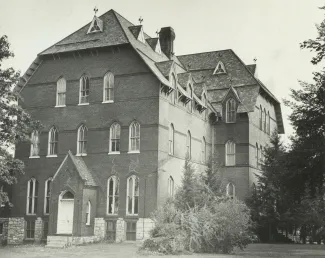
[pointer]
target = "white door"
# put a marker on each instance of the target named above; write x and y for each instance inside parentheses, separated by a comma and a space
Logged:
(65, 216)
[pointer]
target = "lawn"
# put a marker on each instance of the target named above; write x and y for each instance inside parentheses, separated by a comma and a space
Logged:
(127, 250)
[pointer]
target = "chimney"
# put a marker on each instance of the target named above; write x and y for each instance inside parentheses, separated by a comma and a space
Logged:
(166, 38)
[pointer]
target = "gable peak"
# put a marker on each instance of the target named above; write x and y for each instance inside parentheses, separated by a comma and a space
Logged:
(96, 25)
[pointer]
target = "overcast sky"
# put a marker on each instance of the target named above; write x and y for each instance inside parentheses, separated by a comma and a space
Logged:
(269, 30)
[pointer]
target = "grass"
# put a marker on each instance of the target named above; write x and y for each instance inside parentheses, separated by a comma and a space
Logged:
(127, 250)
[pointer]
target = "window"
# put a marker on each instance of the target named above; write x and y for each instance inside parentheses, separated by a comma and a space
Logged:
(108, 95)
(188, 144)
(35, 144)
(132, 201)
(171, 139)
(170, 187)
(84, 90)
(32, 194)
(220, 68)
(231, 190)
(82, 140)
(1, 228)
(114, 136)
(261, 156)
(264, 124)
(269, 123)
(131, 230)
(45, 229)
(203, 149)
(95, 26)
(60, 92)
(53, 142)
(230, 153)
(261, 118)
(112, 195)
(47, 196)
(30, 229)
(134, 142)
(111, 230)
(88, 210)
(257, 155)
(230, 111)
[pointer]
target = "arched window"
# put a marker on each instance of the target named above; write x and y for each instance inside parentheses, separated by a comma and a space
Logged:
(269, 123)
(88, 212)
(53, 142)
(35, 144)
(261, 118)
(60, 92)
(47, 195)
(203, 149)
(231, 190)
(84, 90)
(170, 186)
(264, 124)
(108, 95)
(230, 153)
(230, 111)
(82, 140)
(257, 155)
(134, 141)
(112, 195)
(114, 137)
(32, 194)
(171, 139)
(132, 201)
(261, 156)
(188, 144)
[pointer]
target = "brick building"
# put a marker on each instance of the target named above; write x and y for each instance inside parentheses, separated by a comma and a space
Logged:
(119, 112)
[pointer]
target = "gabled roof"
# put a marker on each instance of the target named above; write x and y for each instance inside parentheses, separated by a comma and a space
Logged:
(135, 30)
(183, 79)
(252, 68)
(165, 67)
(152, 42)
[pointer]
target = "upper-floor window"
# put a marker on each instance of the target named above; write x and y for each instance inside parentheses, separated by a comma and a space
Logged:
(230, 111)
(134, 141)
(35, 144)
(47, 195)
(257, 156)
(60, 92)
(53, 142)
(171, 139)
(82, 140)
(112, 195)
(230, 153)
(230, 190)
(32, 195)
(132, 201)
(114, 138)
(170, 186)
(261, 156)
(264, 124)
(269, 123)
(188, 144)
(261, 118)
(84, 90)
(220, 68)
(88, 213)
(203, 149)
(108, 95)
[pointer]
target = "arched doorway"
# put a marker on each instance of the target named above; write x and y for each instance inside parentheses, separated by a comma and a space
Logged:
(65, 213)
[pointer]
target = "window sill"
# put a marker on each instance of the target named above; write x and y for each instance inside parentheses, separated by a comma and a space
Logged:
(114, 153)
(133, 152)
(81, 154)
(129, 216)
(31, 214)
(230, 165)
(60, 106)
(83, 104)
(108, 101)
(52, 156)
(34, 157)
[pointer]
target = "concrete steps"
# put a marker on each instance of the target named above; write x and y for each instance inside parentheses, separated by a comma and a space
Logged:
(58, 241)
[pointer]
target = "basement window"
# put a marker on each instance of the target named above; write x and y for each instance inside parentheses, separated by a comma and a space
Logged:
(1, 228)
(131, 230)
(30, 229)
(111, 230)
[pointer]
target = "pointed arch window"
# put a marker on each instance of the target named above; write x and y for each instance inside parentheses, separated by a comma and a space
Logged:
(134, 141)
(230, 111)
(204, 150)
(84, 91)
(114, 136)
(188, 144)
(170, 186)
(60, 92)
(230, 190)
(269, 123)
(230, 153)
(112, 195)
(47, 195)
(88, 213)
(53, 142)
(35, 144)
(132, 201)
(171, 139)
(264, 122)
(220, 68)
(32, 195)
(261, 118)
(108, 94)
(261, 156)
(82, 140)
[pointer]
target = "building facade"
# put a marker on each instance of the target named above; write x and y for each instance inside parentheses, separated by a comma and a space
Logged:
(120, 112)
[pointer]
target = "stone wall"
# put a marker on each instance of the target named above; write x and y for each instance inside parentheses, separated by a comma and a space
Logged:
(120, 230)
(38, 229)
(16, 230)
(144, 225)
(99, 228)
(4, 235)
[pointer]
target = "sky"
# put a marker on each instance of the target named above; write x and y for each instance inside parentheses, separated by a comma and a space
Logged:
(268, 30)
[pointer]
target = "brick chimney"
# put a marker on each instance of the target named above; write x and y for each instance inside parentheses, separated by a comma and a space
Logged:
(166, 38)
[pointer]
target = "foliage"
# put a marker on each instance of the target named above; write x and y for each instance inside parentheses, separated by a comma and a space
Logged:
(15, 123)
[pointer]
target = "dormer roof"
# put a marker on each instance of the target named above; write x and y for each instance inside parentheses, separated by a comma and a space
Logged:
(154, 44)
(96, 25)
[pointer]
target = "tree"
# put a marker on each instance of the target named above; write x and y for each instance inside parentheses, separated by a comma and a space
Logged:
(15, 123)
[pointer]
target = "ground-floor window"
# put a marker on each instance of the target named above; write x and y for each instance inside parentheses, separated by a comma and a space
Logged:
(131, 230)
(30, 229)
(45, 229)
(1, 228)
(111, 230)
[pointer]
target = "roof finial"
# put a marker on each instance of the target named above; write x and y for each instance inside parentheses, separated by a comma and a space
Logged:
(255, 59)
(140, 19)
(95, 10)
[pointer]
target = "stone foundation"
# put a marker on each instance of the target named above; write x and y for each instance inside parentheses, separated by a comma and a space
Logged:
(16, 231)
(144, 225)
(120, 230)
(99, 228)
(38, 230)
(4, 235)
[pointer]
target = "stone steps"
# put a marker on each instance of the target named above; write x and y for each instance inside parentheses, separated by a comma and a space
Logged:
(58, 241)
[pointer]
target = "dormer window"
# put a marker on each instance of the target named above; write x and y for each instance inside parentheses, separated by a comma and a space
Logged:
(96, 25)
(220, 68)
